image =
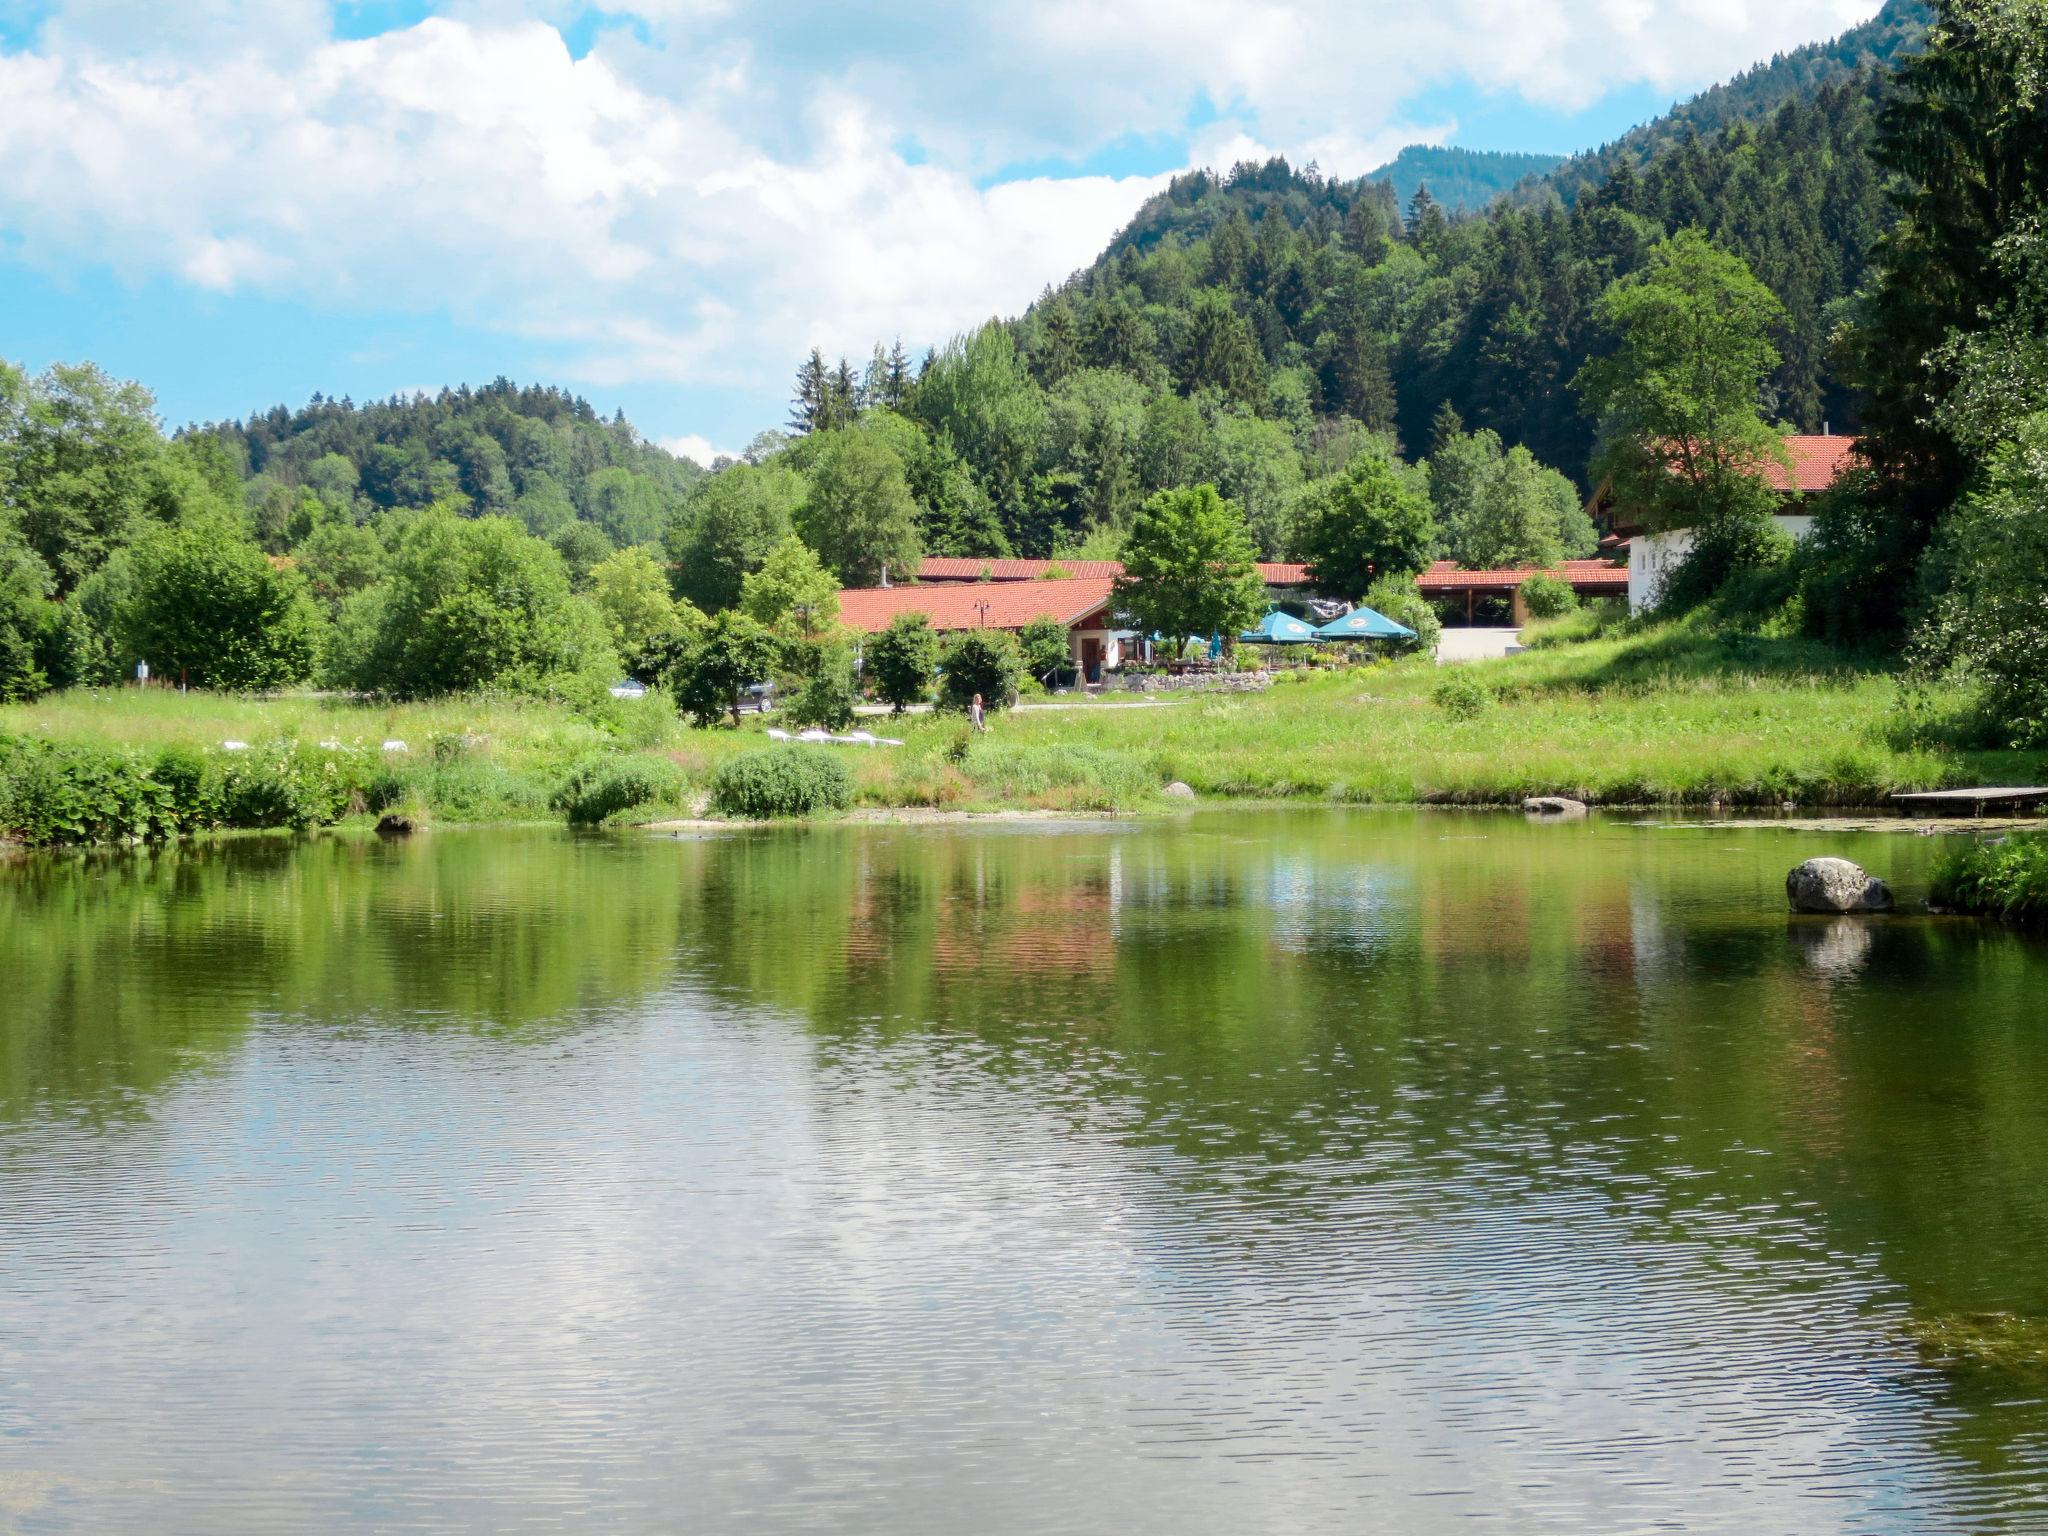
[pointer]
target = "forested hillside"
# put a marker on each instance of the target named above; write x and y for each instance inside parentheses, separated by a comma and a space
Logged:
(539, 454)
(1752, 96)
(1462, 180)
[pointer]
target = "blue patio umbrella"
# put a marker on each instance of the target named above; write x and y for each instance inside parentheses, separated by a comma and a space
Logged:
(1279, 628)
(1364, 624)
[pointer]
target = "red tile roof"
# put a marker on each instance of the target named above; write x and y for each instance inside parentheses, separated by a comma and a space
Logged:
(957, 605)
(1816, 461)
(1584, 576)
(948, 568)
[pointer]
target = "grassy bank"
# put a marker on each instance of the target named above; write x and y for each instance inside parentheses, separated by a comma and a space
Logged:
(1674, 716)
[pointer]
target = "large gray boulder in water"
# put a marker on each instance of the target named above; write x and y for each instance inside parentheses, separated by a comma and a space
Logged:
(1835, 886)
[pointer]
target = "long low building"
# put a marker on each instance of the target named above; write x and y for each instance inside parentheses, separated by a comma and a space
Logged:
(1081, 603)
(1279, 575)
(1589, 578)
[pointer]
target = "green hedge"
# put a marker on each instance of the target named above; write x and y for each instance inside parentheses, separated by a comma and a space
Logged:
(781, 782)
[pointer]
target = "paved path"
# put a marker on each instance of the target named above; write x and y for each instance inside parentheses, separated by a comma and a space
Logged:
(1475, 644)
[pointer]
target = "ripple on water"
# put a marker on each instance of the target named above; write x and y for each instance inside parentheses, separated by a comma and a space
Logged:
(899, 1183)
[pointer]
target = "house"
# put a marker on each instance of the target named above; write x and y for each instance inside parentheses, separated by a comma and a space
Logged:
(1082, 604)
(1816, 463)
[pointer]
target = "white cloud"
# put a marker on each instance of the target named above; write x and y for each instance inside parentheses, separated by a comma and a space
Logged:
(704, 196)
(484, 171)
(691, 446)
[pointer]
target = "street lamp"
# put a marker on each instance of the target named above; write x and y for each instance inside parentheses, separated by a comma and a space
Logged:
(982, 609)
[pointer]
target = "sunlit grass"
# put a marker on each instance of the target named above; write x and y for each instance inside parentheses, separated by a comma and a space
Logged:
(1671, 716)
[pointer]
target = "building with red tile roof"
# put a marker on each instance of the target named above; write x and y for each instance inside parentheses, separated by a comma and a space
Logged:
(948, 568)
(1812, 466)
(1082, 604)
(1588, 578)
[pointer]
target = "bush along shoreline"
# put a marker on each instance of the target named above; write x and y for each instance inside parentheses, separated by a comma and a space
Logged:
(2005, 879)
(1668, 716)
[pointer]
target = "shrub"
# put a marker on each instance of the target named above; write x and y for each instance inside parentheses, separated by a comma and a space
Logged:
(983, 661)
(2007, 880)
(1463, 697)
(781, 782)
(828, 699)
(1720, 552)
(52, 794)
(278, 784)
(1546, 597)
(903, 659)
(599, 788)
(1400, 600)
(1046, 648)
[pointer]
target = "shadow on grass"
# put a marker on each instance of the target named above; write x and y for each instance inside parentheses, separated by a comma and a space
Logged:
(1686, 657)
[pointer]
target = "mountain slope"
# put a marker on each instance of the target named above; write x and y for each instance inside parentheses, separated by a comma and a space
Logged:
(1751, 97)
(1462, 180)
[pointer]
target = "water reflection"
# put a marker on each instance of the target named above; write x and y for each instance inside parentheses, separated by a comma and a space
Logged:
(1318, 1170)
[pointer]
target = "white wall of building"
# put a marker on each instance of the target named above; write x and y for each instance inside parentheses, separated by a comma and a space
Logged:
(1653, 556)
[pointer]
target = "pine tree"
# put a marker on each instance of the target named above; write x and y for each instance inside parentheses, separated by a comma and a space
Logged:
(1426, 222)
(842, 397)
(808, 409)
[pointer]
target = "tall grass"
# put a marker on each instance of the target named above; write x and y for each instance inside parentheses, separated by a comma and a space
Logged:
(1670, 715)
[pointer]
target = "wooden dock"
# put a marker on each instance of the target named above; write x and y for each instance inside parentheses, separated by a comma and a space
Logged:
(1972, 801)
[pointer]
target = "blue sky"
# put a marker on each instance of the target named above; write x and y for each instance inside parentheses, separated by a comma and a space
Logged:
(664, 203)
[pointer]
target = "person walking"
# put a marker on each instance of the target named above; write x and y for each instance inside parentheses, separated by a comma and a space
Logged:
(976, 717)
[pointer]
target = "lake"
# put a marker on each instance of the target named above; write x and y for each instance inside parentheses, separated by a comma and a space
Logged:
(1254, 1171)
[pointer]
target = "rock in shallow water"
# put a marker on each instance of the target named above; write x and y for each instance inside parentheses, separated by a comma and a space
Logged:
(1835, 886)
(1555, 805)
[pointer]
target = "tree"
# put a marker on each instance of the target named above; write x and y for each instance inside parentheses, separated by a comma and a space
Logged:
(470, 603)
(1189, 567)
(1516, 521)
(582, 547)
(977, 394)
(25, 618)
(829, 698)
(1965, 135)
(340, 560)
(730, 654)
(1258, 470)
(858, 514)
(985, 662)
(1045, 647)
(1398, 598)
(1355, 527)
(1684, 439)
(903, 659)
(1220, 352)
(630, 592)
(791, 590)
(811, 408)
(207, 606)
(1994, 618)
(86, 466)
(728, 529)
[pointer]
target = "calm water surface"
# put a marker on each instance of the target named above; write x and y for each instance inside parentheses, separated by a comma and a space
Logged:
(1311, 1171)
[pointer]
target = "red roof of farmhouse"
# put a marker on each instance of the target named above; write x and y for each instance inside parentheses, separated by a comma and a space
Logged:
(976, 605)
(948, 568)
(1816, 461)
(1582, 575)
